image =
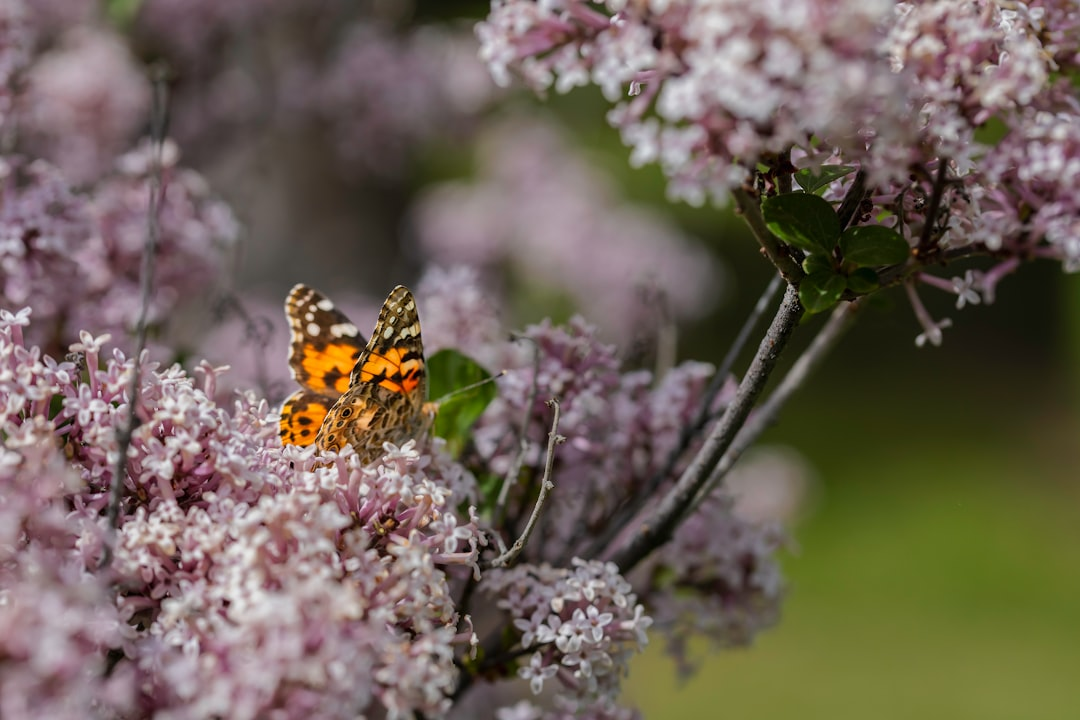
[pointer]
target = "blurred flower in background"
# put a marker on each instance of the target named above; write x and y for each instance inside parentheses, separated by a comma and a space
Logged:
(84, 99)
(537, 214)
(386, 95)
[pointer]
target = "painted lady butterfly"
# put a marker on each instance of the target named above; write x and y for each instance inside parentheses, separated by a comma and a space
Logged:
(355, 393)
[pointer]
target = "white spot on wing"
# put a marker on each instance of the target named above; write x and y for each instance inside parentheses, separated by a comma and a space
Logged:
(343, 330)
(313, 329)
(325, 304)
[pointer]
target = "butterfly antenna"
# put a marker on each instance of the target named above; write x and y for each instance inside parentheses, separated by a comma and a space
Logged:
(469, 388)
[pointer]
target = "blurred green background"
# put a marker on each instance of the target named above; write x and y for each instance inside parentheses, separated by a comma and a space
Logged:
(937, 573)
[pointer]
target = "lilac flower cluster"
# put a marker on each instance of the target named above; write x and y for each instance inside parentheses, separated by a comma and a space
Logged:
(525, 710)
(903, 92)
(70, 90)
(376, 89)
(197, 232)
(459, 313)
(540, 214)
(57, 621)
(714, 85)
(191, 28)
(43, 225)
(84, 100)
(247, 579)
(15, 47)
(621, 429)
(579, 624)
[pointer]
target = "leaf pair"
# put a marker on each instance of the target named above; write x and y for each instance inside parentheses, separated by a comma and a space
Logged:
(837, 260)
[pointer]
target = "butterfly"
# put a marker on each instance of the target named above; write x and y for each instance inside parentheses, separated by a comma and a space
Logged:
(352, 392)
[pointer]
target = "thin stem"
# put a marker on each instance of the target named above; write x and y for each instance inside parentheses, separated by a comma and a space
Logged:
(764, 416)
(784, 171)
(852, 200)
(775, 250)
(546, 485)
(934, 205)
(523, 440)
(159, 115)
(656, 529)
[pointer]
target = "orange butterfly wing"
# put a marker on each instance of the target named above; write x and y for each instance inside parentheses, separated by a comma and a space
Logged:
(323, 351)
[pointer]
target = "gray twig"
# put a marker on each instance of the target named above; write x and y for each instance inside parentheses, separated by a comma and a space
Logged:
(158, 118)
(523, 440)
(932, 207)
(545, 487)
(852, 199)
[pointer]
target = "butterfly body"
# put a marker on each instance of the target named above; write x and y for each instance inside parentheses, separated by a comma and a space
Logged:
(352, 392)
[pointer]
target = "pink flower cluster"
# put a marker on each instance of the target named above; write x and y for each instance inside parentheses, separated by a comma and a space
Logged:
(191, 28)
(15, 47)
(714, 85)
(579, 624)
(43, 226)
(57, 620)
(910, 93)
(83, 103)
(378, 90)
(717, 85)
(70, 90)
(73, 221)
(247, 579)
(525, 710)
(620, 429)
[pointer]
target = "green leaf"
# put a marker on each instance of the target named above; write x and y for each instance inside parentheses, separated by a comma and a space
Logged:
(863, 281)
(803, 220)
(821, 291)
(813, 182)
(448, 372)
(873, 245)
(818, 263)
